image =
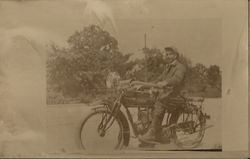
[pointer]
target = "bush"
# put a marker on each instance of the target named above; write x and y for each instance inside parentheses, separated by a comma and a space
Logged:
(82, 68)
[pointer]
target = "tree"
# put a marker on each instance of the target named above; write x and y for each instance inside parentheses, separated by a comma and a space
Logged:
(153, 63)
(201, 70)
(214, 76)
(196, 78)
(84, 65)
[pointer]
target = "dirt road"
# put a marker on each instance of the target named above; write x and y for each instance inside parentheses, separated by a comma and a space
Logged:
(64, 121)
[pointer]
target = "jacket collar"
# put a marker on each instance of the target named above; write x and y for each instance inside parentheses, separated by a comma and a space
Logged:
(174, 63)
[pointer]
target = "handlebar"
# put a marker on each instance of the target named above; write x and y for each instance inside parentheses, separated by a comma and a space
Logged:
(125, 85)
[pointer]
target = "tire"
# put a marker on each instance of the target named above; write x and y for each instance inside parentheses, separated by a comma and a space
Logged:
(124, 121)
(178, 131)
(91, 138)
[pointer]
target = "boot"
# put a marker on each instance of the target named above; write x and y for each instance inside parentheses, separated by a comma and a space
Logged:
(153, 135)
(149, 137)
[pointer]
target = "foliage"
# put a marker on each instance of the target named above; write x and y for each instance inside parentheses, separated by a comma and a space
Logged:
(153, 63)
(202, 79)
(214, 76)
(199, 78)
(82, 67)
(79, 71)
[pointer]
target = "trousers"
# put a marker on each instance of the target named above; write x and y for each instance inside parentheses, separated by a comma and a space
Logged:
(159, 111)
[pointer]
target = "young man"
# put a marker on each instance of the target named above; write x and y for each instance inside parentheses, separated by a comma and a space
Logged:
(171, 82)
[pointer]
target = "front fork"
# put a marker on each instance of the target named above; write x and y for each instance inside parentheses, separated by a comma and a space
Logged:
(107, 118)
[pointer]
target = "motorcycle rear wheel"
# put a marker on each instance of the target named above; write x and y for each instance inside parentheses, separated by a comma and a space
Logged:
(188, 134)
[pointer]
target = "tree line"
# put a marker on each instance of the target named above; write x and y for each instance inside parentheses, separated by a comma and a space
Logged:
(80, 70)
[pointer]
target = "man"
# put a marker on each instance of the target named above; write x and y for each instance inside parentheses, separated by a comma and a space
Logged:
(171, 82)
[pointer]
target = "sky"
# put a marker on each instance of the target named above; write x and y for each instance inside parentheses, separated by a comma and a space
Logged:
(195, 30)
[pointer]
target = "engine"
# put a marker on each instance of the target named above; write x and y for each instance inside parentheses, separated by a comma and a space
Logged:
(144, 120)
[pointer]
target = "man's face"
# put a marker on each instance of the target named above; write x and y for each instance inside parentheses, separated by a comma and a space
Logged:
(169, 56)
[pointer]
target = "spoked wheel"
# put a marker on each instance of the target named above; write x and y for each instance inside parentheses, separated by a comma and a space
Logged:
(101, 131)
(189, 130)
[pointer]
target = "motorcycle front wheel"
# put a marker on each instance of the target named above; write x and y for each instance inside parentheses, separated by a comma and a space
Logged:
(101, 131)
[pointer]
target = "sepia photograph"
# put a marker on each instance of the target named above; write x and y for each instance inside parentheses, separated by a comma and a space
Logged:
(92, 77)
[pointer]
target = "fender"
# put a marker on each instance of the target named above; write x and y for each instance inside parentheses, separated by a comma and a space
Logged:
(121, 116)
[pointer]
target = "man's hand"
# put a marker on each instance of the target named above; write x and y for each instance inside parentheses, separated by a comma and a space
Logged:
(148, 84)
(136, 83)
(139, 85)
(162, 84)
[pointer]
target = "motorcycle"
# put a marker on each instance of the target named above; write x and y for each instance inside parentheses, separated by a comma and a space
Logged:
(107, 126)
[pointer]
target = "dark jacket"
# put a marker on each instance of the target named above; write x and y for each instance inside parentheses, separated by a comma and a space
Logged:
(174, 75)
